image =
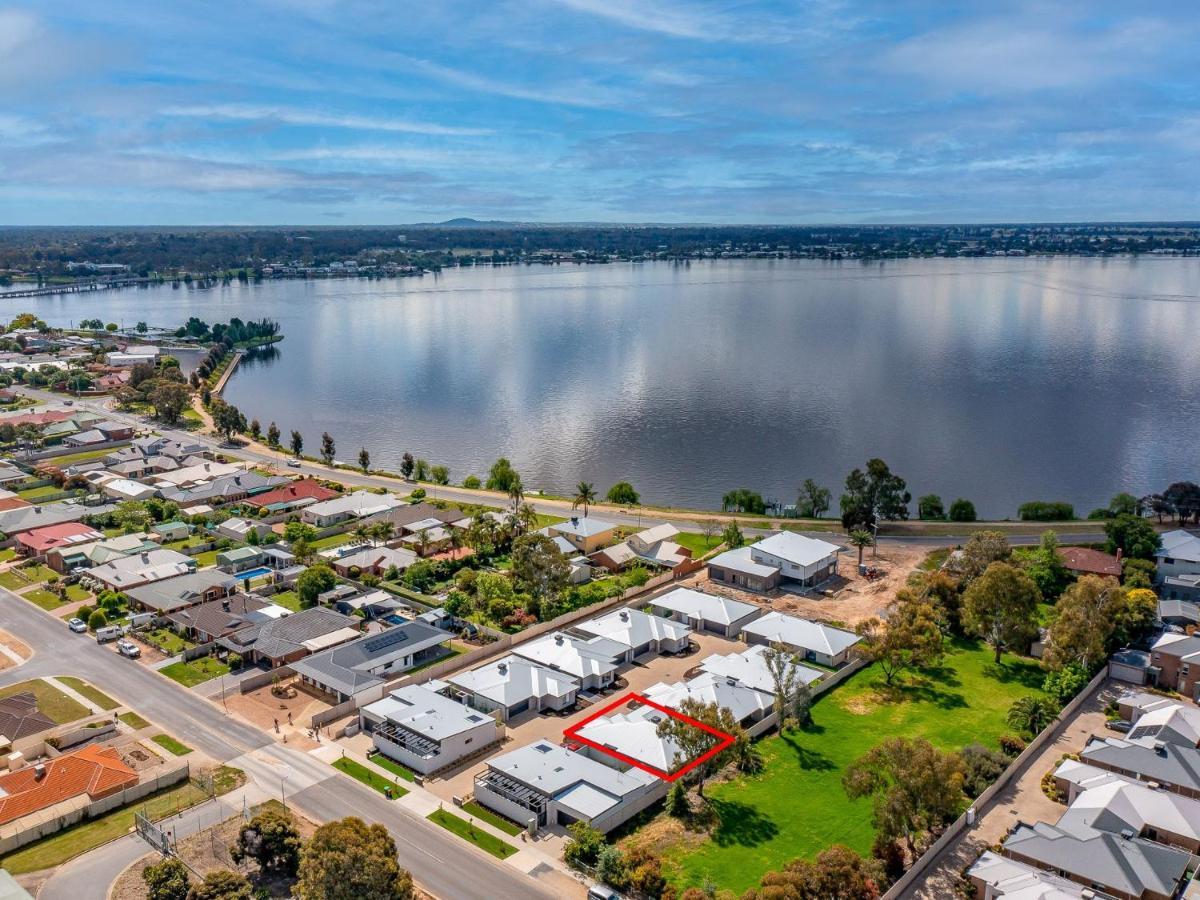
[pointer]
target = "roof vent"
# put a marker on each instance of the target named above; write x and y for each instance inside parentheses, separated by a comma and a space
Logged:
(1127, 833)
(624, 614)
(39, 772)
(558, 639)
(502, 668)
(1160, 748)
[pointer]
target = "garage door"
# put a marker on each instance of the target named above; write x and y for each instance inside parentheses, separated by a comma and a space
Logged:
(518, 708)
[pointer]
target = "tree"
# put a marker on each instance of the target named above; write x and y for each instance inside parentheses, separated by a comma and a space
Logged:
(910, 639)
(111, 326)
(1000, 606)
(1124, 504)
(983, 549)
(227, 419)
(502, 476)
(421, 470)
(585, 845)
(314, 581)
(131, 516)
(1132, 535)
(169, 400)
(407, 464)
(1134, 618)
(271, 840)
(837, 872)
(709, 528)
(347, 860)
(623, 494)
(297, 531)
(472, 483)
(915, 787)
(439, 474)
(297, 443)
(962, 511)
(793, 697)
(1044, 565)
(813, 500)
(222, 885)
(585, 495)
(272, 435)
(694, 742)
(861, 539)
(364, 460)
(981, 767)
(732, 536)
(1138, 573)
(1183, 500)
(141, 327)
(930, 507)
(1083, 623)
(743, 500)
(1030, 714)
(874, 494)
(327, 448)
(1065, 683)
(539, 567)
(166, 880)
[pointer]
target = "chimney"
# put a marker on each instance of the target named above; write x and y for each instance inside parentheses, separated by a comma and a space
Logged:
(502, 668)
(225, 604)
(1119, 556)
(39, 772)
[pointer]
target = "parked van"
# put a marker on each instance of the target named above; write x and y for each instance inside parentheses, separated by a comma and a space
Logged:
(108, 633)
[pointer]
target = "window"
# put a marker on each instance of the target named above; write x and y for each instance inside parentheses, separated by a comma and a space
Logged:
(467, 741)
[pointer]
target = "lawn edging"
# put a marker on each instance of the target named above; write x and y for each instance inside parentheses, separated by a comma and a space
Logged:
(486, 842)
(983, 802)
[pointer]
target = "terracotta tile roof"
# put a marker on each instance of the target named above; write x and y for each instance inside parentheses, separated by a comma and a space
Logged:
(94, 770)
(13, 503)
(302, 489)
(39, 540)
(44, 418)
(1092, 562)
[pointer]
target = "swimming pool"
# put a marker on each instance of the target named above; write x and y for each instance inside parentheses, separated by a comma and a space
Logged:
(252, 573)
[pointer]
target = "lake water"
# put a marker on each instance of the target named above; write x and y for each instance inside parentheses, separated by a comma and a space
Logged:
(999, 380)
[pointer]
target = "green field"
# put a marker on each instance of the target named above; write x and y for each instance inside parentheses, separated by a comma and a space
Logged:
(33, 495)
(481, 839)
(481, 812)
(76, 592)
(80, 686)
(206, 559)
(371, 779)
(172, 746)
(198, 671)
(16, 579)
(697, 543)
(7, 553)
(83, 456)
(51, 701)
(797, 806)
(334, 540)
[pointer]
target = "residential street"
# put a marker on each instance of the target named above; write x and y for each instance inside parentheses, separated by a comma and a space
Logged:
(435, 857)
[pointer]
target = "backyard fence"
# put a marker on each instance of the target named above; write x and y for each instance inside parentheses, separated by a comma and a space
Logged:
(984, 801)
(254, 682)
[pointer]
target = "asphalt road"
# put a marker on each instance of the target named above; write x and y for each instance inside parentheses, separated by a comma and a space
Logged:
(440, 862)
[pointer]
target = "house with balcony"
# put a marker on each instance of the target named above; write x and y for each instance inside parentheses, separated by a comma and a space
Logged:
(425, 731)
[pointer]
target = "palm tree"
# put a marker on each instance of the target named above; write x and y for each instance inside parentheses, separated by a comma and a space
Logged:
(585, 495)
(861, 539)
(383, 531)
(1031, 714)
(422, 540)
(516, 493)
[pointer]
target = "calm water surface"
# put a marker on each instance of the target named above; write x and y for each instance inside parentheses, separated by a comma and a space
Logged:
(996, 380)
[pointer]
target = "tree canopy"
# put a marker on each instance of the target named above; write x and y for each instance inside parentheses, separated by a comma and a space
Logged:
(348, 860)
(875, 493)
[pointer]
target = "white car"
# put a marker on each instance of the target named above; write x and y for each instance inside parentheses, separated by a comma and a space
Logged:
(128, 649)
(77, 625)
(293, 463)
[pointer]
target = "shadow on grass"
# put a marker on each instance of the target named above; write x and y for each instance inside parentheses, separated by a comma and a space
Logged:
(807, 758)
(741, 824)
(1026, 674)
(920, 689)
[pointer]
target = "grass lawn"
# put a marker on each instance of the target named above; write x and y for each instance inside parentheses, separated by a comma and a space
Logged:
(51, 701)
(454, 651)
(697, 543)
(189, 541)
(15, 579)
(935, 559)
(169, 641)
(481, 839)
(482, 812)
(198, 671)
(78, 592)
(288, 600)
(797, 806)
(543, 520)
(334, 540)
(43, 598)
(7, 553)
(133, 720)
(171, 745)
(392, 766)
(83, 456)
(206, 559)
(80, 686)
(371, 779)
(33, 495)
(58, 848)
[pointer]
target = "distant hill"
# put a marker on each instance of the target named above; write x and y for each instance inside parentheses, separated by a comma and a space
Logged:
(466, 222)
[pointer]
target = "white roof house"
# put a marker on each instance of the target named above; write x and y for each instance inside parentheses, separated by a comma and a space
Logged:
(1179, 544)
(142, 568)
(541, 780)
(823, 642)
(743, 702)
(513, 684)
(357, 505)
(582, 527)
(634, 735)
(706, 612)
(795, 548)
(127, 489)
(1080, 776)
(425, 730)
(1013, 880)
(200, 473)
(426, 712)
(639, 632)
(1120, 805)
(1174, 722)
(750, 668)
(740, 560)
(593, 661)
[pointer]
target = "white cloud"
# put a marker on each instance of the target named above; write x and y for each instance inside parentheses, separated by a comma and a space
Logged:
(17, 29)
(304, 117)
(679, 20)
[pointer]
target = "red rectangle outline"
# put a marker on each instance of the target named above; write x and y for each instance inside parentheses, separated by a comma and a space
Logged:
(726, 740)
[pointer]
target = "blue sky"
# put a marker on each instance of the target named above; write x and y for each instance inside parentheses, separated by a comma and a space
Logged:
(349, 112)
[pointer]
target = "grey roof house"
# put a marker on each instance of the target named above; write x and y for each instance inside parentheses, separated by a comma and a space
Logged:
(360, 668)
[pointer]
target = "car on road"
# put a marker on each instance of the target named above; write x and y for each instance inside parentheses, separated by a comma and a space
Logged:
(128, 648)
(600, 892)
(293, 463)
(77, 625)
(68, 403)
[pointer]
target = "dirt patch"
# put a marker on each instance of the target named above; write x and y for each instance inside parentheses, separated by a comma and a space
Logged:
(859, 704)
(139, 757)
(272, 713)
(14, 648)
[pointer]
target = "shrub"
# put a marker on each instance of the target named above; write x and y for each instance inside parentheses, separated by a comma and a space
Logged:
(417, 494)
(1065, 683)
(585, 845)
(677, 801)
(962, 511)
(982, 766)
(930, 507)
(97, 620)
(1011, 745)
(1045, 511)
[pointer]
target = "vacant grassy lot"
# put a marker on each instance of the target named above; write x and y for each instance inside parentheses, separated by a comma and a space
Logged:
(697, 543)
(80, 686)
(71, 459)
(797, 806)
(198, 671)
(482, 812)
(33, 495)
(51, 701)
(171, 745)
(206, 559)
(16, 579)
(371, 779)
(465, 830)
(57, 849)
